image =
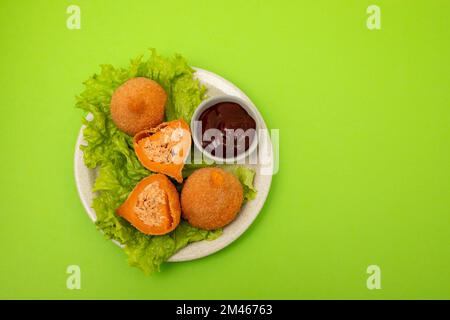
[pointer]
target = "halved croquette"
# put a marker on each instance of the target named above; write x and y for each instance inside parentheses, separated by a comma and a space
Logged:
(153, 207)
(165, 148)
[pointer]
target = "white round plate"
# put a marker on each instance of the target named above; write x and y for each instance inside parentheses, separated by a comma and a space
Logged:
(215, 85)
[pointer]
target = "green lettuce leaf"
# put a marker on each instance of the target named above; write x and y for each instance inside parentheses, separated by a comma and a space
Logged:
(149, 255)
(246, 177)
(111, 152)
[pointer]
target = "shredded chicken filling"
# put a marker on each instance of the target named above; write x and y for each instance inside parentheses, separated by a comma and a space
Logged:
(163, 150)
(149, 205)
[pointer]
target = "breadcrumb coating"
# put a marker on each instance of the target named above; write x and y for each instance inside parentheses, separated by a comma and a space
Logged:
(138, 104)
(211, 198)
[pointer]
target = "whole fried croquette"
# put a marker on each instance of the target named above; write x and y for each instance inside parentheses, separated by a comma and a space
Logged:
(138, 104)
(211, 198)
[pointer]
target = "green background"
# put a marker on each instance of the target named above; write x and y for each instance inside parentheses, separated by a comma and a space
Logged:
(364, 119)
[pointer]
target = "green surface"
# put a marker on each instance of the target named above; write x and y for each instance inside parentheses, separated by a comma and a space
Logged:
(364, 119)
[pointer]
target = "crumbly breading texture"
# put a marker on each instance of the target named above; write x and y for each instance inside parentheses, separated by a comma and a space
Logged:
(138, 104)
(211, 198)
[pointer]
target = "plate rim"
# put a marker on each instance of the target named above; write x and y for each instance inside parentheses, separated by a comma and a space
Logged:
(178, 256)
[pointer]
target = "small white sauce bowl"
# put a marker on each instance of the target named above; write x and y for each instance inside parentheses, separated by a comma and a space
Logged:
(206, 104)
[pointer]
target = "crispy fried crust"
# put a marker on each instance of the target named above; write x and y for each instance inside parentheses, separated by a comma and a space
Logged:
(164, 149)
(211, 198)
(138, 104)
(153, 211)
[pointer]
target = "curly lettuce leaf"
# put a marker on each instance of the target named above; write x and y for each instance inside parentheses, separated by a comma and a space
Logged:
(119, 170)
(149, 255)
(246, 177)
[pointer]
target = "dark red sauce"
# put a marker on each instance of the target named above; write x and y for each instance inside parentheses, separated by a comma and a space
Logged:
(239, 136)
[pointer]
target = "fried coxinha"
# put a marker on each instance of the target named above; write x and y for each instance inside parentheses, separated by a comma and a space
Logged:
(164, 148)
(211, 197)
(138, 104)
(153, 207)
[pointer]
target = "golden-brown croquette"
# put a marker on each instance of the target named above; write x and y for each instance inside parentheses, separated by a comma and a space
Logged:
(138, 104)
(211, 198)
